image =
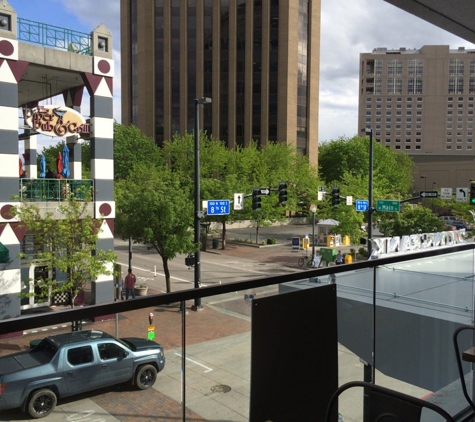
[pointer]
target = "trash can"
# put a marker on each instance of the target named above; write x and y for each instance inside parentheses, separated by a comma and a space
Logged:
(346, 240)
(215, 243)
(328, 255)
(348, 258)
(330, 240)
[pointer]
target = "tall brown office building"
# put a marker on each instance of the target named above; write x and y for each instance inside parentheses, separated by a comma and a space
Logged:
(422, 102)
(258, 60)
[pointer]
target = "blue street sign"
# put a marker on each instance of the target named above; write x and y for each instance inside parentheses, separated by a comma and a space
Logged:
(362, 205)
(218, 207)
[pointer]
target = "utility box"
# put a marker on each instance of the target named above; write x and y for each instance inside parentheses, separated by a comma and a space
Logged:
(330, 240)
(215, 243)
(328, 255)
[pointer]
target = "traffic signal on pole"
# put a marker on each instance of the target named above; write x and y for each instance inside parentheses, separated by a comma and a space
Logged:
(335, 196)
(282, 193)
(256, 200)
(472, 192)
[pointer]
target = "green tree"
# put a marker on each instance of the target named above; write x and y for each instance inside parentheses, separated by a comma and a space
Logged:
(132, 147)
(155, 208)
(410, 220)
(68, 242)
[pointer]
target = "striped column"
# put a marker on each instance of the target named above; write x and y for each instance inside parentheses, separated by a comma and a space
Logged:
(11, 71)
(99, 86)
(73, 99)
(30, 156)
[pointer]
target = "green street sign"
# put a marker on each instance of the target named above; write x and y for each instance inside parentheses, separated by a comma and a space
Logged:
(388, 205)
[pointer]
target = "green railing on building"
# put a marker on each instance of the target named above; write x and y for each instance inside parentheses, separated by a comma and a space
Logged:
(54, 36)
(44, 190)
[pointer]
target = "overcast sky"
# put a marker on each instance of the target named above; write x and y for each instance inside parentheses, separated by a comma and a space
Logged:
(348, 28)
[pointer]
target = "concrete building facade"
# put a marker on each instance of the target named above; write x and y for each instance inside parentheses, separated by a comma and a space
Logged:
(29, 74)
(257, 60)
(422, 102)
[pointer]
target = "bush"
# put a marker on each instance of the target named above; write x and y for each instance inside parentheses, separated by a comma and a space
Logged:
(363, 252)
(271, 241)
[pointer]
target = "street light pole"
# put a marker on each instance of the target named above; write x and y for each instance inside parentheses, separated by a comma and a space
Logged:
(198, 212)
(313, 232)
(425, 188)
(369, 132)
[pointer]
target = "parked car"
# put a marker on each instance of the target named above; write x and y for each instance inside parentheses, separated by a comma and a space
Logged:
(67, 364)
(459, 225)
(448, 219)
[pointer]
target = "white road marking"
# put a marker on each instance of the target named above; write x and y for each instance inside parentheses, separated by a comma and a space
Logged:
(197, 363)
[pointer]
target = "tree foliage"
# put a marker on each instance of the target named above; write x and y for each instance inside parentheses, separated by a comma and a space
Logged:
(410, 220)
(154, 208)
(68, 245)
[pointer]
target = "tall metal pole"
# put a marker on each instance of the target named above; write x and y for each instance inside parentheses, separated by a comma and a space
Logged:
(369, 132)
(198, 213)
(130, 252)
(313, 233)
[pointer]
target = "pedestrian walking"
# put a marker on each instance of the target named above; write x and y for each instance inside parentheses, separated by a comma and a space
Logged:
(339, 258)
(130, 284)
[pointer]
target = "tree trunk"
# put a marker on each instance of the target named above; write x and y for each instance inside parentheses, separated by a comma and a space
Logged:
(223, 235)
(257, 234)
(167, 273)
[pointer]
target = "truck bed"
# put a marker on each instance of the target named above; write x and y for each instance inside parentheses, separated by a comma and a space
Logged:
(23, 360)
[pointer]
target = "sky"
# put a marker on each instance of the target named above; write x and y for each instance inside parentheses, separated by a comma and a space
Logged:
(348, 28)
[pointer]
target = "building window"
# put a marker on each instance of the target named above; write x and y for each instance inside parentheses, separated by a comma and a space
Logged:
(397, 147)
(388, 113)
(378, 99)
(449, 127)
(448, 140)
(418, 105)
(455, 84)
(418, 147)
(398, 140)
(395, 67)
(368, 113)
(469, 140)
(388, 127)
(449, 112)
(450, 105)
(378, 105)
(398, 126)
(408, 133)
(408, 106)
(398, 99)
(459, 146)
(408, 147)
(448, 147)
(388, 140)
(469, 147)
(388, 119)
(418, 140)
(459, 141)
(368, 120)
(378, 120)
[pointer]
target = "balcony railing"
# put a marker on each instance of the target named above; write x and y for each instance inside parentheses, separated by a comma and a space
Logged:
(54, 36)
(47, 190)
(398, 312)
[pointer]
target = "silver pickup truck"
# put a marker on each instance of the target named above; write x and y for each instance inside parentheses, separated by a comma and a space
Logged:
(66, 364)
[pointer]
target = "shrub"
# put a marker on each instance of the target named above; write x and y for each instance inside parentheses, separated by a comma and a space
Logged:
(271, 241)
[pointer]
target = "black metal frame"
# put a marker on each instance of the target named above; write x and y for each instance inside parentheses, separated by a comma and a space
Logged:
(459, 362)
(386, 403)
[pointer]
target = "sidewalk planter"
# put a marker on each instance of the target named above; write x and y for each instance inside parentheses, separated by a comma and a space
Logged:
(141, 290)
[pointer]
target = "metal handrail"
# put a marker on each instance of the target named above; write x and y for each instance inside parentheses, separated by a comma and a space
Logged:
(54, 36)
(47, 190)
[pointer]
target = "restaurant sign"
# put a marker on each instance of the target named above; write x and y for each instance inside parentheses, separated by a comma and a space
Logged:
(56, 120)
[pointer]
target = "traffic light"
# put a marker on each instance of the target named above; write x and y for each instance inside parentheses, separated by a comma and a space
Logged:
(472, 192)
(335, 196)
(282, 193)
(256, 200)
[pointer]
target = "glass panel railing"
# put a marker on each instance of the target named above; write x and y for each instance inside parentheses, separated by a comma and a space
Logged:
(230, 359)
(45, 190)
(419, 305)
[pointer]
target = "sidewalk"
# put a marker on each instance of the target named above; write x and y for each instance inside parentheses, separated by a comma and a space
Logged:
(130, 405)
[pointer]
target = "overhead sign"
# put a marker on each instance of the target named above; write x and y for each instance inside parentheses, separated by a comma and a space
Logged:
(55, 120)
(461, 194)
(387, 205)
(238, 201)
(445, 193)
(218, 207)
(262, 191)
(362, 205)
(429, 194)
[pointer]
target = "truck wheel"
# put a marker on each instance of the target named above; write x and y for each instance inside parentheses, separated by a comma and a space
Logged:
(145, 377)
(41, 403)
